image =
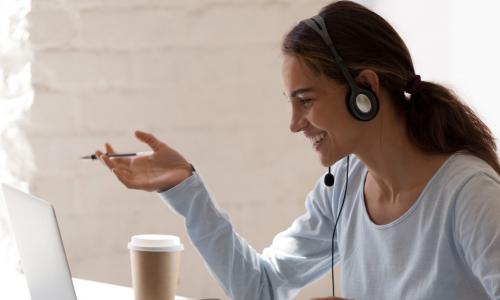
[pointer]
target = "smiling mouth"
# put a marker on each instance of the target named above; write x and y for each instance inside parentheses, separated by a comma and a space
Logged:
(317, 139)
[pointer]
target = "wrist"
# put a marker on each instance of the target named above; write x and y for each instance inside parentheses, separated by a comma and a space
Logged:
(190, 170)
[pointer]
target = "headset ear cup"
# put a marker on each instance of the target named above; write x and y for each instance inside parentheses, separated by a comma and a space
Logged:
(351, 104)
(362, 104)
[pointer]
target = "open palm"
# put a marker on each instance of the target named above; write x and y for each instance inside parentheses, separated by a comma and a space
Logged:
(161, 170)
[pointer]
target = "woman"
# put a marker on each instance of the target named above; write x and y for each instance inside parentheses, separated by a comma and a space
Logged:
(415, 196)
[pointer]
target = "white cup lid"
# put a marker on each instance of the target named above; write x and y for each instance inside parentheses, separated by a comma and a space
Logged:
(156, 243)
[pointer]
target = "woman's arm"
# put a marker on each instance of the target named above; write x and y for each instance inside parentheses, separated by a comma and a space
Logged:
(477, 229)
(296, 257)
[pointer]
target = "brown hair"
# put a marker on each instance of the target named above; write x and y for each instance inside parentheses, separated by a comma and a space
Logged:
(436, 120)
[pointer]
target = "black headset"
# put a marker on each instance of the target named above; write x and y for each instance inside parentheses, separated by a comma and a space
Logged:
(362, 103)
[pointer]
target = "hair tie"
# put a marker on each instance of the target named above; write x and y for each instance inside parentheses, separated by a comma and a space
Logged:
(413, 86)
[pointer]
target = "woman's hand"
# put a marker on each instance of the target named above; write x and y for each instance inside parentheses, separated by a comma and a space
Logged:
(163, 169)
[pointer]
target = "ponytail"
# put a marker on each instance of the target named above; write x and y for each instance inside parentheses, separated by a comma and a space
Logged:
(437, 121)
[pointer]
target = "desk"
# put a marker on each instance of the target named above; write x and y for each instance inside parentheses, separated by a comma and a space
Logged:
(14, 287)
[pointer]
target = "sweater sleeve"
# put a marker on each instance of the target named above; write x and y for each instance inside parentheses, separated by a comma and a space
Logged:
(477, 229)
(297, 256)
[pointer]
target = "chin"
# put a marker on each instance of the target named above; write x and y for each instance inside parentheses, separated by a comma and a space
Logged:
(329, 160)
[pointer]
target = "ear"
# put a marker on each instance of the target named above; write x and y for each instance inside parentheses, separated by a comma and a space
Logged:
(369, 79)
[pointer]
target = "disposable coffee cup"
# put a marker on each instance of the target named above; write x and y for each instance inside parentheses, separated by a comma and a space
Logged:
(155, 261)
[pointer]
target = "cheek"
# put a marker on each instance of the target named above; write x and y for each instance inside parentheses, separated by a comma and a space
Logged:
(327, 119)
(341, 127)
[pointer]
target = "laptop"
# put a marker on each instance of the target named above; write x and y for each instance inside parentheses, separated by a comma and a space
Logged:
(43, 258)
(40, 246)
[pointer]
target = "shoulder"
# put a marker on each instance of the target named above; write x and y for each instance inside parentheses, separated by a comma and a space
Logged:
(464, 173)
(462, 167)
(476, 203)
(474, 187)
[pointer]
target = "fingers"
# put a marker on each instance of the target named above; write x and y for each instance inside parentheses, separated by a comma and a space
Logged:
(122, 174)
(149, 139)
(105, 159)
(117, 160)
(109, 148)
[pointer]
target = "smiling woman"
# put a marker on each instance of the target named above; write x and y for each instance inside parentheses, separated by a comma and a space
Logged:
(415, 167)
(16, 96)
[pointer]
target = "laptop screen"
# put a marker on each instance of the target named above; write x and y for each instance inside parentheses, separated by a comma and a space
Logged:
(40, 246)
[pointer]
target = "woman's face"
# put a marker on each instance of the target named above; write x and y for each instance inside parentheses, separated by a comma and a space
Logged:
(319, 111)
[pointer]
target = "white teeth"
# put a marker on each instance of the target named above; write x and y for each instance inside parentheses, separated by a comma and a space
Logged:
(317, 138)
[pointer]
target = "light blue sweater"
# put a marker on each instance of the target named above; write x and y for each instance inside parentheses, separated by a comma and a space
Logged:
(446, 246)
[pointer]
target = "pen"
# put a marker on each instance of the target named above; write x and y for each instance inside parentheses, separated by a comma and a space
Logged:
(94, 157)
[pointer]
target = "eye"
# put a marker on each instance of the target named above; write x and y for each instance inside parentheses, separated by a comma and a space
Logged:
(305, 102)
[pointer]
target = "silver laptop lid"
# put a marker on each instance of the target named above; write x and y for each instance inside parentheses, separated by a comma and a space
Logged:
(40, 246)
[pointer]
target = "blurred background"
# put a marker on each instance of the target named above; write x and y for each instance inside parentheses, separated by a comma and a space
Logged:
(203, 76)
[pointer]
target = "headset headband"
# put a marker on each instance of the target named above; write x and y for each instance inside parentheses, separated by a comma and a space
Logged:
(317, 23)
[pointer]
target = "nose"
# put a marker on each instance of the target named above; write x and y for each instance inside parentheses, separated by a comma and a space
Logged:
(298, 122)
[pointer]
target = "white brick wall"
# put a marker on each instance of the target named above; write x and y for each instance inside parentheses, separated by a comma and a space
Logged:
(16, 97)
(202, 75)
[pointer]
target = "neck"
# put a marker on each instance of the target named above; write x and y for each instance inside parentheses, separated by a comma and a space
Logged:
(395, 165)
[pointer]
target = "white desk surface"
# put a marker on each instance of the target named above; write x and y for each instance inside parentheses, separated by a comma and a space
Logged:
(14, 287)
